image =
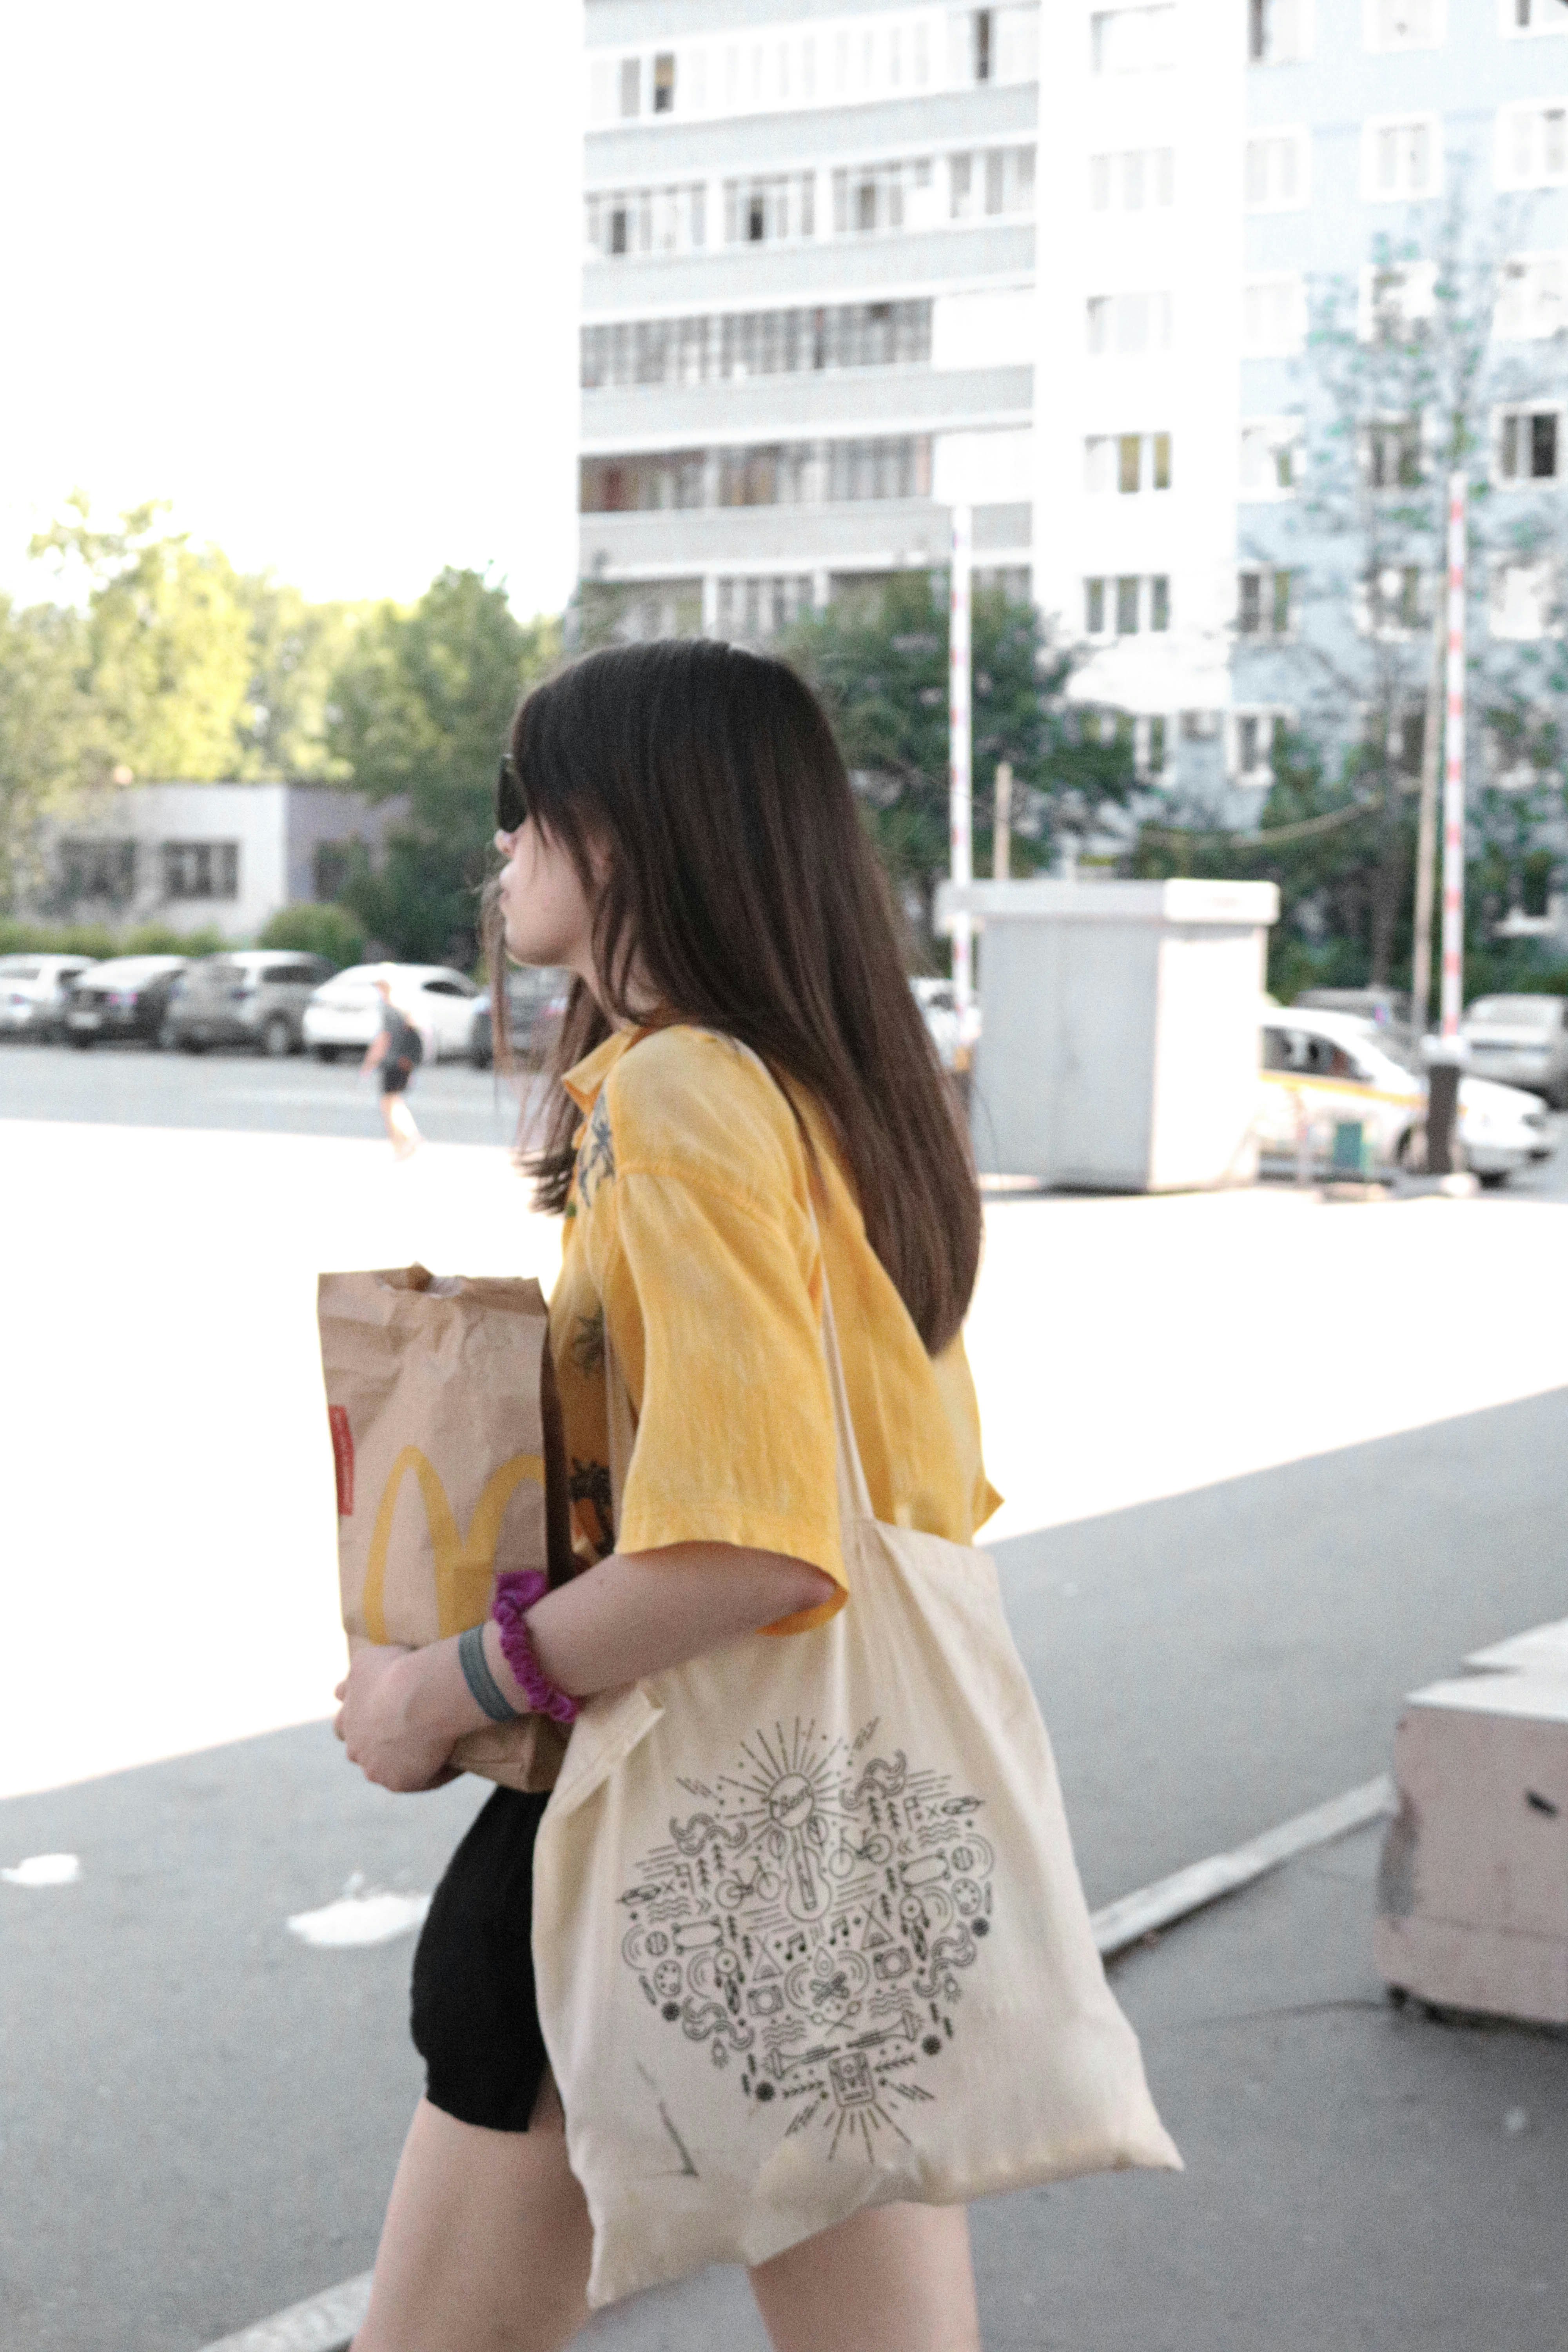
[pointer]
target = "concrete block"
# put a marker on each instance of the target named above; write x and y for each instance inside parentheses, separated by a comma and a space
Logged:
(1473, 1883)
(1542, 1651)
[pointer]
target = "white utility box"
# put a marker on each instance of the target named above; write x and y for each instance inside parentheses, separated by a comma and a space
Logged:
(1119, 1040)
(1473, 1886)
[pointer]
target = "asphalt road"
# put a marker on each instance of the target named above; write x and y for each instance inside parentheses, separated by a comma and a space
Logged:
(201, 2115)
(130, 1086)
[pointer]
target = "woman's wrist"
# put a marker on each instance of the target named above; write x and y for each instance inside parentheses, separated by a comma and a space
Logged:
(436, 1698)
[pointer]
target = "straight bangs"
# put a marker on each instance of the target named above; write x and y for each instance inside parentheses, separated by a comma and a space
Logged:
(702, 797)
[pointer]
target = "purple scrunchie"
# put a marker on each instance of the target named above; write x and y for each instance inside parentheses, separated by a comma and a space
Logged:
(516, 1592)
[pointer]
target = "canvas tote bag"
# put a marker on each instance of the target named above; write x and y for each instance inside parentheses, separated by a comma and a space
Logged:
(808, 1935)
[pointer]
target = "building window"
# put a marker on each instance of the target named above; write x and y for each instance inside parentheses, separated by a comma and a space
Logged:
(641, 484)
(1252, 739)
(1274, 172)
(1397, 300)
(982, 37)
(201, 869)
(1404, 24)
(628, 221)
(997, 180)
(770, 476)
(1531, 303)
(1128, 462)
(1127, 324)
(1132, 179)
(1278, 32)
(770, 210)
(1124, 606)
(631, 88)
(1273, 322)
(871, 198)
(1401, 158)
(1529, 445)
(1391, 454)
(1131, 40)
(332, 862)
(1270, 457)
(896, 467)
(1534, 15)
(742, 343)
(1149, 737)
(1523, 599)
(1264, 601)
(664, 84)
(1532, 145)
(1394, 601)
(750, 610)
(98, 870)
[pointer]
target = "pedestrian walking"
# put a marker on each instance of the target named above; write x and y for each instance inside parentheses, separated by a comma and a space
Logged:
(396, 1050)
(772, 1233)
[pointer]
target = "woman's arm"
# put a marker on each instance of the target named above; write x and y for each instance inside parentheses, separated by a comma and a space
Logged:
(404, 1710)
(374, 1053)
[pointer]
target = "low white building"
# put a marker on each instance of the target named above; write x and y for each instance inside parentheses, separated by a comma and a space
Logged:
(201, 857)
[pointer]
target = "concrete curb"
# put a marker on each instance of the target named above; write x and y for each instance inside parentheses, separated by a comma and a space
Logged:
(326, 2322)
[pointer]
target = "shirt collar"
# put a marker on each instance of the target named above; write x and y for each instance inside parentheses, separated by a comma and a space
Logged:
(583, 1081)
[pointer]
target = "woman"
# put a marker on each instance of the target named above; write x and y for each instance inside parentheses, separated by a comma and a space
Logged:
(678, 831)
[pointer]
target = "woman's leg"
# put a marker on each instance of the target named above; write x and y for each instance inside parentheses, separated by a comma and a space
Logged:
(401, 1131)
(896, 2279)
(487, 2240)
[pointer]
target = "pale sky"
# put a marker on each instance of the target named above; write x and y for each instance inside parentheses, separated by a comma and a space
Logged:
(308, 269)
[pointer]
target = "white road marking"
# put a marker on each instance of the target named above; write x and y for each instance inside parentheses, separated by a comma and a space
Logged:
(44, 1870)
(361, 1915)
(327, 2323)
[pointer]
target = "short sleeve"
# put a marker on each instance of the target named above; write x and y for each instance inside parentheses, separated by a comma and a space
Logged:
(710, 1303)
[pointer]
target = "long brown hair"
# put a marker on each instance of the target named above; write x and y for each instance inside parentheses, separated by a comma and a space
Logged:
(702, 797)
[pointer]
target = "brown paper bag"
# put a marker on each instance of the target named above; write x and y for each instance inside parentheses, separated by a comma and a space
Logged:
(450, 1461)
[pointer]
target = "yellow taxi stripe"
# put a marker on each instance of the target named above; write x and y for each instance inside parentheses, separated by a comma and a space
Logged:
(1294, 1080)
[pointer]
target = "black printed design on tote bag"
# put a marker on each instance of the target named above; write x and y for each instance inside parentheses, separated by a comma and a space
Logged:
(810, 1923)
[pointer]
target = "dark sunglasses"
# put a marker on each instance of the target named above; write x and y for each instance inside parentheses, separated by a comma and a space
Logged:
(512, 800)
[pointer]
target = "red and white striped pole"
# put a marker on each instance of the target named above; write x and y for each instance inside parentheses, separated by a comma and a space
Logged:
(960, 860)
(1443, 1081)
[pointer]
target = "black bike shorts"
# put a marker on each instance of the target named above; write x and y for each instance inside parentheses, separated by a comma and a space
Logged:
(394, 1076)
(475, 2016)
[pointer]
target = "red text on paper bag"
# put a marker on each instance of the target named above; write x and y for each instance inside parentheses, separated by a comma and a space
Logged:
(342, 1458)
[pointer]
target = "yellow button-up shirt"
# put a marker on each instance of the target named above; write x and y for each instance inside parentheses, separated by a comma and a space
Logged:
(690, 1238)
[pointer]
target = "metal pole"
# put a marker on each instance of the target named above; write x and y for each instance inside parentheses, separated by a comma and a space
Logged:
(960, 756)
(1443, 1084)
(1002, 825)
(1427, 829)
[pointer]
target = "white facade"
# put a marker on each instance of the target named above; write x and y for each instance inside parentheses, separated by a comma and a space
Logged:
(807, 300)
(200, 856)
(816, 315)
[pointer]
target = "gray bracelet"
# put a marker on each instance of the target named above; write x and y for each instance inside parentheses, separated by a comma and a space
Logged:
(487, 1692)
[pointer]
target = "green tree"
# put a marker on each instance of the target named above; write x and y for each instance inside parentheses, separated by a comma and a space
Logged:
(880, 666)
(166, 665)
(42, 720)
(421, 709)
(296, 650)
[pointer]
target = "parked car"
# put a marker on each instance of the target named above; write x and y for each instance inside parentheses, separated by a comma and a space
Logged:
(1323, 1068)
(127, 996)
(35, 990)
(534, 998)
(254, 997)
(344, 1013)
(1524, 1041)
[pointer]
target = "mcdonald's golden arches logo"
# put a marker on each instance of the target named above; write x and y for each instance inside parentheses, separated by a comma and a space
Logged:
(465, 1564)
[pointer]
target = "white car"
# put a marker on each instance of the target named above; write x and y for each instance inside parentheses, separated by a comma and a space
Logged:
(34, 989)
(344, 1014)
(1323, 1068)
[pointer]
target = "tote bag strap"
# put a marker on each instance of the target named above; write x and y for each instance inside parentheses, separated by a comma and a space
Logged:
(853, 1494)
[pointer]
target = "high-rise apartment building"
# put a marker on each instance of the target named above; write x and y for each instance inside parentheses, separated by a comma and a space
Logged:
(807, 300)
(1070, 265)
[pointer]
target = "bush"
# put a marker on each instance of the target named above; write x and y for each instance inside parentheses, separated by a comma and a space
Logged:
(97, 940)
(324, 930)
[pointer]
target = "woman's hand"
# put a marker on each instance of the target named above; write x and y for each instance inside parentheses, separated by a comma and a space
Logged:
(377, 1721)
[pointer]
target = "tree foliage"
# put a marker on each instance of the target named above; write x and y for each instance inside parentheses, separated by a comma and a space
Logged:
(880, 664)
(421, 709)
